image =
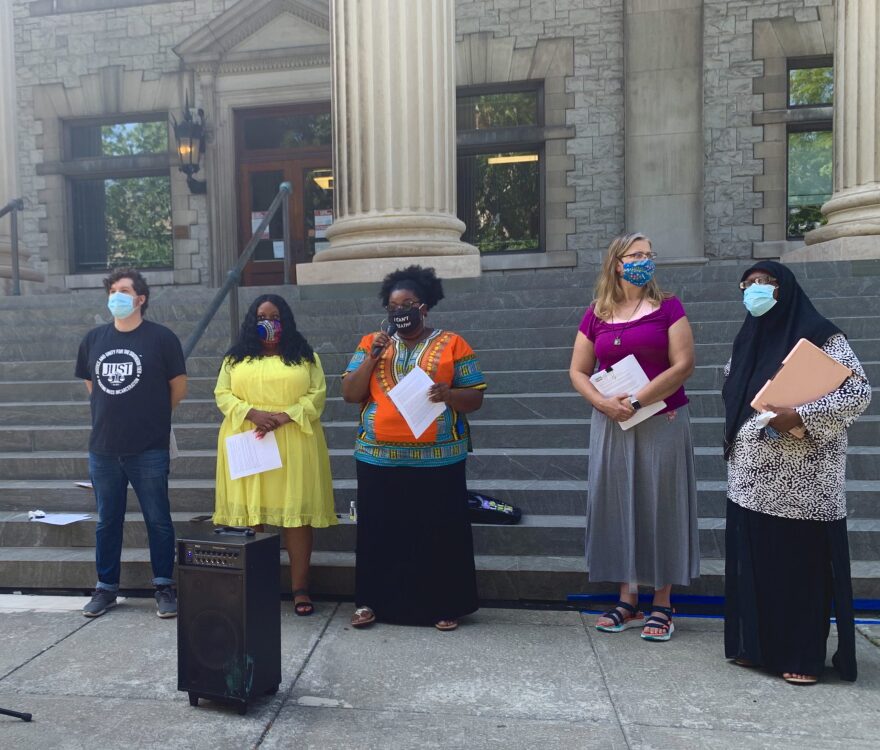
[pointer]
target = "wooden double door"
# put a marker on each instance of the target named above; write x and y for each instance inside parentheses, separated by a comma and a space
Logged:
(270, 153)
(311, 211)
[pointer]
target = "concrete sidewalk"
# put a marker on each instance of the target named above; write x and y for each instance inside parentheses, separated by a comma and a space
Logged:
(506, 679)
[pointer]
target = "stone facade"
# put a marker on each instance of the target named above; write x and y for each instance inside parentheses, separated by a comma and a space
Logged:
(594, 107)
(735, 162)
(68, 52)
(63, 63)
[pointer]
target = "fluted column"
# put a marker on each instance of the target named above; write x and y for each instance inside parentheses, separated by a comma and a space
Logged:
(393, 102)
(853, 210)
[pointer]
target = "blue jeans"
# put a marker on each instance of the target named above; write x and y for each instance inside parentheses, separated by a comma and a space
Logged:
(148, 474)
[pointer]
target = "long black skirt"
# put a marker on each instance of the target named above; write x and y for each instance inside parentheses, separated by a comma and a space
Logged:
(783, 577)
(415, 550)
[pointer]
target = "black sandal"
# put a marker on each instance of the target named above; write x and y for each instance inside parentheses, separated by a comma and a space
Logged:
(659, 623)
(302, 609)
(622, 622)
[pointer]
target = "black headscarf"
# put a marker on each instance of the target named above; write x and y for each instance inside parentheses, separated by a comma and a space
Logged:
(763, 342)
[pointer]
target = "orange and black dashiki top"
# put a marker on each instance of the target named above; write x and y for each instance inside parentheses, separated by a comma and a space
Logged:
(384, 438)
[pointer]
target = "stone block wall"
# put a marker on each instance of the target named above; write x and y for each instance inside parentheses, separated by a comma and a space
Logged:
(734, 170)
(594, 106)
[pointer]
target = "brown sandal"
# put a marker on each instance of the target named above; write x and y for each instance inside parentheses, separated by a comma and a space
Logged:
(446, 625)
(362, 617)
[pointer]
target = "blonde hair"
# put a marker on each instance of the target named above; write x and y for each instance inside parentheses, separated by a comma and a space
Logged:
(608, 292)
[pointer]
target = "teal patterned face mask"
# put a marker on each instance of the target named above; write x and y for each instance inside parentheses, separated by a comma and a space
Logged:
(758, 299)
(639, 272)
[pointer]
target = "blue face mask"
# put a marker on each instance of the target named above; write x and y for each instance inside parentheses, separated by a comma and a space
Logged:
(639, 272)
(758, 298)
(120, 304)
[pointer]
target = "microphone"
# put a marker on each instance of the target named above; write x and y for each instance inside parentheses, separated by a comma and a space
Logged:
(390, 329)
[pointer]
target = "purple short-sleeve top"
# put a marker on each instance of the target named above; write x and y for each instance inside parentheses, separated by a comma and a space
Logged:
(647, 338)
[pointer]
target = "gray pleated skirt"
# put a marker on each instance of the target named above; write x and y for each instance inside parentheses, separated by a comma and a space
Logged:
(642, 503)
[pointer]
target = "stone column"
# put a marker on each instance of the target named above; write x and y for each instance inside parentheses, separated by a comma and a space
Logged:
(393, 105)
(664, 125)
(853, 228)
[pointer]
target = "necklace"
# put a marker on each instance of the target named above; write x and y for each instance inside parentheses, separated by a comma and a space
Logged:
(628, 322)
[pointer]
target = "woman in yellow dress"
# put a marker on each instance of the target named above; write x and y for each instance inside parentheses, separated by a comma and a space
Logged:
(272, 381)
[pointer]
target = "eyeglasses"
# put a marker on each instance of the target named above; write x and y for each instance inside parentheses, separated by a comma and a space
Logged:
(640, 256)
(403, 306)
(757, 280)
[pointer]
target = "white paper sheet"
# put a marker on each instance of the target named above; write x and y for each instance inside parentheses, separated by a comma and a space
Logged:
(246, 455)
(410, 396)
(625, 378)
(62, 519)
(173, 451)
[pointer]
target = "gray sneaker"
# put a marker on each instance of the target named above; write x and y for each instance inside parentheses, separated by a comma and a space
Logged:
(166, 601)
(101, 601)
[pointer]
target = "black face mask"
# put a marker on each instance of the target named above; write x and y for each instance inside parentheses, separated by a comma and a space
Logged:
(408, 320)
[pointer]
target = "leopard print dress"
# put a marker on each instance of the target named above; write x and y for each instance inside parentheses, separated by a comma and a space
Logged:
(801, 478)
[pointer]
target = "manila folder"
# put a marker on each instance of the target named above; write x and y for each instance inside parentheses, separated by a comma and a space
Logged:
(807, 374)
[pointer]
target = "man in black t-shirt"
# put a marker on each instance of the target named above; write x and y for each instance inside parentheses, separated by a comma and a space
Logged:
(135, 374)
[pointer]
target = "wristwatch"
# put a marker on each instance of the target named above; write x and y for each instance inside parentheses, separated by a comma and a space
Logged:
(634, 403)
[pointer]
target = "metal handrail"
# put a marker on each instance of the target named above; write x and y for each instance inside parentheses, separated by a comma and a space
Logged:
(12, 208)
(234, 275)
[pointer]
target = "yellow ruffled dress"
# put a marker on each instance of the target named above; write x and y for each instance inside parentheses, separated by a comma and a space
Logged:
(300, 493)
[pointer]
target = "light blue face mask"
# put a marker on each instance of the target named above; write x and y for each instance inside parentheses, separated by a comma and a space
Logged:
(758, 298)
(121, 305)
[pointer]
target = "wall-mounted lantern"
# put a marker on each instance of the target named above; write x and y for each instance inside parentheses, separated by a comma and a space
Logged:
(190, 136)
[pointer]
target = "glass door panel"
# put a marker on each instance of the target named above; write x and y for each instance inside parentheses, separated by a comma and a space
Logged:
(263, 189)
(317, 209)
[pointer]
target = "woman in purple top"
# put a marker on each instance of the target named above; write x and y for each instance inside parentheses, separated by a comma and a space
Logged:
(642, 502)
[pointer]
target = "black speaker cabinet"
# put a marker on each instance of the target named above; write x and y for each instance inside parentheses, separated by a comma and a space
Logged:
(229, 617)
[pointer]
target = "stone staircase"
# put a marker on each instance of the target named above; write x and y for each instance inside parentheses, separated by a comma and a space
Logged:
(531, 435)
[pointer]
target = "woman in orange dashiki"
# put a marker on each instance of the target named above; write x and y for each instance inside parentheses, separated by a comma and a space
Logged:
(415, 558)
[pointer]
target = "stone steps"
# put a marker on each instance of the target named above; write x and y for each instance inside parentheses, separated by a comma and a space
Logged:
(516, 406)
(499, 577)
(487, 433)
(496, 463)
(535, 535)
(547, 365)
(531, 435)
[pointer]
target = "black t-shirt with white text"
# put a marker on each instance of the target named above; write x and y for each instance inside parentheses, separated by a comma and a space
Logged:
(131, 398)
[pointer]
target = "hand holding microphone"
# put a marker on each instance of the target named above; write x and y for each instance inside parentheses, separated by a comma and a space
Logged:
(382, 340)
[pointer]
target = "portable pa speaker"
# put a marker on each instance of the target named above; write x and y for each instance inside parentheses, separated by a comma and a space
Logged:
(229, 617)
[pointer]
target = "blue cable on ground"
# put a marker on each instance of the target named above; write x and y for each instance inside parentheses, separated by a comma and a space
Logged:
(865, 605)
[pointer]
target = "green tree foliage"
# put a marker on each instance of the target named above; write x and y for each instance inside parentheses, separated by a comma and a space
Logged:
(138, 222)
(502, 110)
(506, 212)
(810, 179)
(137, 210)
(808, 86)
(133, 138)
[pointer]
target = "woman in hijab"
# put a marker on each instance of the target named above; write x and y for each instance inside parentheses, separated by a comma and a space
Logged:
(786, 540)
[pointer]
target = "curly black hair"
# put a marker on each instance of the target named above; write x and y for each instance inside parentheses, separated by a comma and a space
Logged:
(293, 347)
(422, 282)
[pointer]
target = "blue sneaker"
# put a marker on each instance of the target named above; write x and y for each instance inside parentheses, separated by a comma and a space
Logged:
(166, 601)
(101, 601)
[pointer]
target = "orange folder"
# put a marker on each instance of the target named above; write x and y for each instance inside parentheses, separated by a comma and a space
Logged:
(806, 374)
